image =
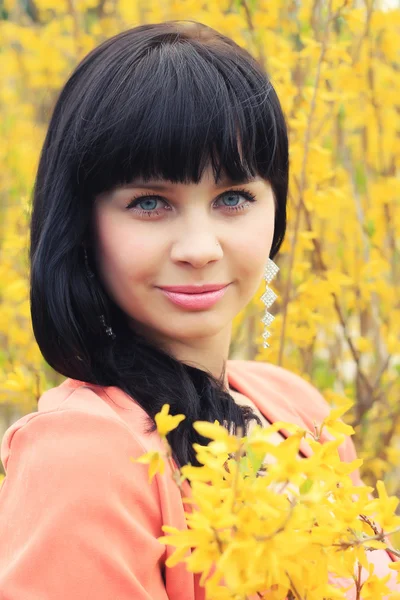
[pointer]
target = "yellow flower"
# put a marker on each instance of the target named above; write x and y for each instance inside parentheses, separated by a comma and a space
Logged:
(383, 509)
(222, 440)
(374, 587)
(396, 567)
(155, 460)
(334, 425)
(166, 422)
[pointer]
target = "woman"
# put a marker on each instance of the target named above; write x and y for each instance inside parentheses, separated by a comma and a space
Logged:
(165, 165)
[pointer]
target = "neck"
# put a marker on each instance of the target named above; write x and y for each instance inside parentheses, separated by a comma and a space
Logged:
(209, 354)
(208, 357)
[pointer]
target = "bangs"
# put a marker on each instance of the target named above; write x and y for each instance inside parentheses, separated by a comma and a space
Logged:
(173, 111)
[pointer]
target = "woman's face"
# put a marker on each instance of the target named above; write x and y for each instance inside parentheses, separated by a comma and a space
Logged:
(183, 235)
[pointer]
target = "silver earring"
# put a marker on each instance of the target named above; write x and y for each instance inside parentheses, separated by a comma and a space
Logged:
(88, 270)
(268, 298)
(90, 274)
(108, 329)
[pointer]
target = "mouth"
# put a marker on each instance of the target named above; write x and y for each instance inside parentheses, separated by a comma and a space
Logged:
(194, 289)
(200, 300)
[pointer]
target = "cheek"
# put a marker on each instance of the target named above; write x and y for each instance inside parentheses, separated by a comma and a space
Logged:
(123, 251)
(254, 245)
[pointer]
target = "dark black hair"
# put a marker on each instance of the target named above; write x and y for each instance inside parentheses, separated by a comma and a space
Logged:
(159, 100)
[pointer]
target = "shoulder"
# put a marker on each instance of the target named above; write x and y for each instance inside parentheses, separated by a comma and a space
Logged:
(72, 493)
(75, 427)
(301, 394)
(298, 399)
(80, 446)
(308, 399)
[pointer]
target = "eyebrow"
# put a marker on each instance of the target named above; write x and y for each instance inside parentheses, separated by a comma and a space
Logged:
(167, 186)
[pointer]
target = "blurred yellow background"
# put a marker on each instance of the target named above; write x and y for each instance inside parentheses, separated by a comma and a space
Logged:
(336, 68)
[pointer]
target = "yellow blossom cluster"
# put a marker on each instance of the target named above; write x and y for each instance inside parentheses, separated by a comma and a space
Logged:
(296, 528)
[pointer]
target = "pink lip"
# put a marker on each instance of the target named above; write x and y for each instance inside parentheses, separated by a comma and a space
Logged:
(194, 289)
(193, 301)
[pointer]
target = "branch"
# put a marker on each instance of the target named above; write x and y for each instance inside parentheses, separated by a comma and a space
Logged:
(294, 589)
(323, 267)
(250, 25)
(300, 205)
(380, 537)
(358, 583)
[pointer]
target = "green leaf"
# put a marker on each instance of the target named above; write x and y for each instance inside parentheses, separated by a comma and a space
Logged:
(252, 5)
(370, 228)
(306, 486)
(256, 460)
(360, 178)
(322, 374)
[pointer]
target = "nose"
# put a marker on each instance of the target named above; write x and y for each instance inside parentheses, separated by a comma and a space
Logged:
(196, 246)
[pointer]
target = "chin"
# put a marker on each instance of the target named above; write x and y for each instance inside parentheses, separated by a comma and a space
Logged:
(199, 330)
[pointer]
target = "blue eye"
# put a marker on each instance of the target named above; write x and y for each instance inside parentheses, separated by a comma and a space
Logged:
(231, 195)
(145, 204)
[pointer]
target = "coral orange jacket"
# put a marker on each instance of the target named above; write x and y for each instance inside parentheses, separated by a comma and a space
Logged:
(80, 521)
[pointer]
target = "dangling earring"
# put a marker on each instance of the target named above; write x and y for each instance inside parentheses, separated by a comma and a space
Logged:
(90, 274)
(269, 298)
(88, 270)
(108, 329)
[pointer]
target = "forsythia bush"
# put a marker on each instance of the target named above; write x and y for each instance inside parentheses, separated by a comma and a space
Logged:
(293, 528)
(336, 67)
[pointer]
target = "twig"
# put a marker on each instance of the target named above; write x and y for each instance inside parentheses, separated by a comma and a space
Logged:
(264, 538)
(380, 537)
(300, 205)
(358, 583)
(250, 25)
(323, 267)
(364, 33)
(294, 589)
(76, 26)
